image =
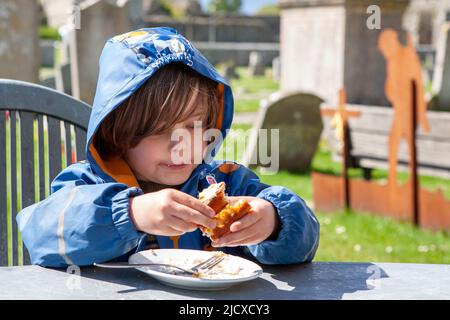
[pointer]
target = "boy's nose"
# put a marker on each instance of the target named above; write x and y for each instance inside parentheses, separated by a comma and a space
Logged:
(180, 149)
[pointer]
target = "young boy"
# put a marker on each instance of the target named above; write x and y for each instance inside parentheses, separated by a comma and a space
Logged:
(131, 195)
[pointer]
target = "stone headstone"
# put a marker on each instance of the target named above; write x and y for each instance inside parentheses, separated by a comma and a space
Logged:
(276, 68)
(19, 45)
(153, 7)
(230, 71)
(99, 20)
(297, 116)
(312, 48)
(255, 64)
(49, 82)
(441, 81)
(135, 13)
(47, 53)
(187, 7)
(63, 81)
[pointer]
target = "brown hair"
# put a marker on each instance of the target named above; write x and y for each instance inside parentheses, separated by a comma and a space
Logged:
(172, 95)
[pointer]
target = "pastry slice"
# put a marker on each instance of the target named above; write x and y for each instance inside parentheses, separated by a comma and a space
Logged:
(214, 196)
(226, 212)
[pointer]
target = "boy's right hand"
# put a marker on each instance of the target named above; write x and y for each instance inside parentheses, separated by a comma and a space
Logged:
(169, 212)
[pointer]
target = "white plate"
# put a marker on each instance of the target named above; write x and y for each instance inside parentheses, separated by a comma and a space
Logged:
(231, 271)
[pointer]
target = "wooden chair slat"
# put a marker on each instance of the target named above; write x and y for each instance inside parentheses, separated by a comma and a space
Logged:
(68, 143)
(3, 213)
(54, 147)
(13, 192)
(80, 138)
(27, 167)
(41, 156)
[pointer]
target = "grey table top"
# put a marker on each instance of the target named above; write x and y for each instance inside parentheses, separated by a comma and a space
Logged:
(319, 280)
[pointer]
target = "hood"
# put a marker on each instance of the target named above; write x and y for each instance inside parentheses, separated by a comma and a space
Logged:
(126, 62)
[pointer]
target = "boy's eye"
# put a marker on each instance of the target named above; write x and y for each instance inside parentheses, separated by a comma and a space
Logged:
(194, 125)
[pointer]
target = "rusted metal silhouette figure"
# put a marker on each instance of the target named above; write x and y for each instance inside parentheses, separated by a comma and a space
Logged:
(404, 89)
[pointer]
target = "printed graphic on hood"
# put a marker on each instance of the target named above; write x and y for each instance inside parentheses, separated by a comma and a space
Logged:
(157, 49)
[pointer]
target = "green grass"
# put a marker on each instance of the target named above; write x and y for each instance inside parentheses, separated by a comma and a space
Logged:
(248, 91)
(246, 105)
(357, 237)
(257, 84)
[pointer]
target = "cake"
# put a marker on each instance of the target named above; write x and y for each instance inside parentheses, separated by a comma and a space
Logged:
(227, 211)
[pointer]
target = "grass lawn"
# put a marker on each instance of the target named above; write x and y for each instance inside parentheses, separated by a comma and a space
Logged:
(256, 84)
(248, 91)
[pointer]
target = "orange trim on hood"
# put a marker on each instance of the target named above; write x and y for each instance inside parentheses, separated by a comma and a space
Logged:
(220, 94)
(116, 168)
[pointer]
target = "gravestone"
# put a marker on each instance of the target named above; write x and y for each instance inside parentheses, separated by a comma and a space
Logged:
(230, 71)
(99, 21)
(150, 7)
(297, 116)
(47, 48)
(63, 81)
(255, 64)
(49, 82)
(312, 45)
(442, 71)
(187, 7)
(19, 44)
(276, 68)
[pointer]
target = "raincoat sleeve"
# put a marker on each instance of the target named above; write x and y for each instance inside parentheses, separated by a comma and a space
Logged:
(298, 238)
(83, 221)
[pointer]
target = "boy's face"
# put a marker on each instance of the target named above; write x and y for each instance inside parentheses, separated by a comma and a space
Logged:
(157, 158)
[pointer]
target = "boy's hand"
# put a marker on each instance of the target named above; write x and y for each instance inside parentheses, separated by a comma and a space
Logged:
(262, 223)
(169, 212)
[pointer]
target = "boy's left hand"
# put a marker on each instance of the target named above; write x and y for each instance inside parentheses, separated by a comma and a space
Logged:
(253, 228)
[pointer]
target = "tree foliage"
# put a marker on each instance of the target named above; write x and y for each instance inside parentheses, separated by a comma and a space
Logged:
(224, 6)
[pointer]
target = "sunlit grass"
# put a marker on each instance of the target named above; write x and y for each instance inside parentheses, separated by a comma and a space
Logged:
(256, 84)
(351, 236)
(248, 91)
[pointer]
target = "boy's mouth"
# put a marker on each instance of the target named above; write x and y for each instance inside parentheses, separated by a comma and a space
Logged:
(174, 166)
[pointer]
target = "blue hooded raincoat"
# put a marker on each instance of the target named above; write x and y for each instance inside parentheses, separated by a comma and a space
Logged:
(86, 220)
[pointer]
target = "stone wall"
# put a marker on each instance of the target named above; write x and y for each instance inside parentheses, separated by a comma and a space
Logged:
(225, 38)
